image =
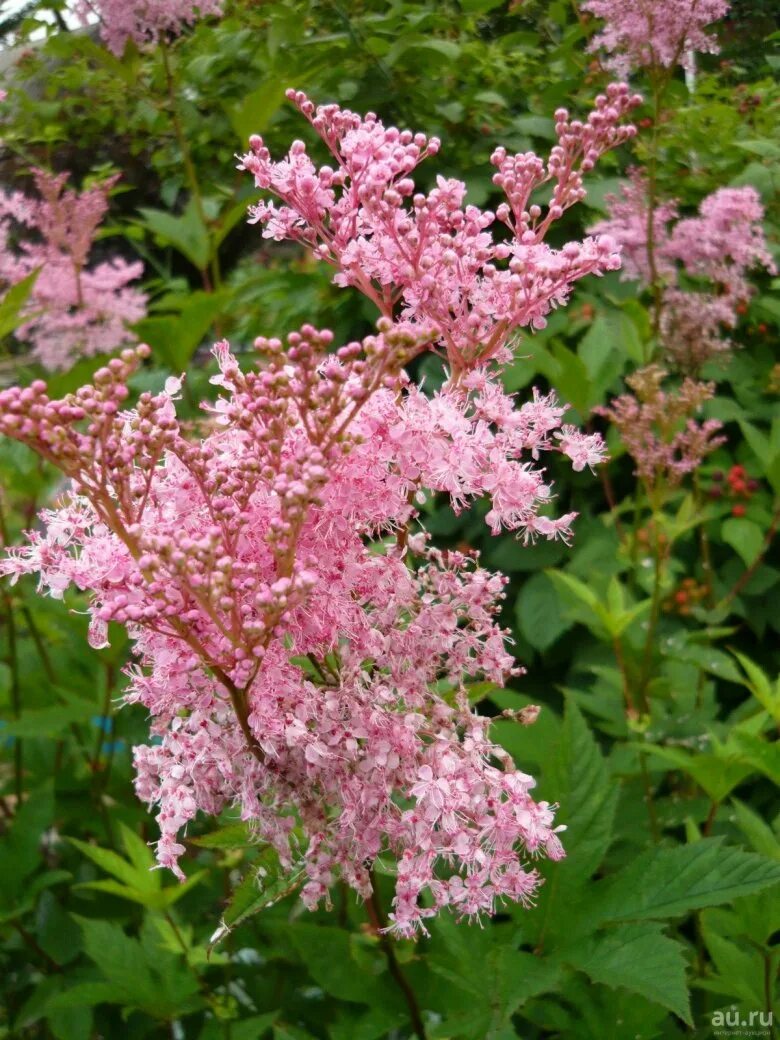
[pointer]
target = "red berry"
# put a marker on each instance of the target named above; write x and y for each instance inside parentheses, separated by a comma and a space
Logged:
(738, 510)
(681, 596)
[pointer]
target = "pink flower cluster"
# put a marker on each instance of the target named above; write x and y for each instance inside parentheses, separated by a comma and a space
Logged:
(720, 245)
(74, 310)
(144, 21)
(304, 654)
(658, 429)
(431, 258)
(661, 33)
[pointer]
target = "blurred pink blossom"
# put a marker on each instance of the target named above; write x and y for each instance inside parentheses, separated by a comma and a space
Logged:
(74, 310)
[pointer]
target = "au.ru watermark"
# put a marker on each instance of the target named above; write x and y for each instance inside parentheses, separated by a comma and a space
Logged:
(734, 1023)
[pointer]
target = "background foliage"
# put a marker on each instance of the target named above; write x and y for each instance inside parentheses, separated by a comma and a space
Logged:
(667, 908)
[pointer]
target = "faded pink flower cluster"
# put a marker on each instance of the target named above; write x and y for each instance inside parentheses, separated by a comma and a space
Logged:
(144, 21)
(720, 246)
(661, 33)
(658, 429)
(74, 310)
(305, 655)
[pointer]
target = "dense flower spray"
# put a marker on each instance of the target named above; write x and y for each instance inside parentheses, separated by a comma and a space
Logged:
(654, 33)
(702, 263)
(144, 21)
(429, 258)
(305, 655)
(74, 309)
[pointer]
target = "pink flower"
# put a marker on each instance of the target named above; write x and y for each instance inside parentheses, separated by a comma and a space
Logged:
(74, 310)
(433, 258)
(640, 33)
(720, 245)
(144, 21)
(303, 654)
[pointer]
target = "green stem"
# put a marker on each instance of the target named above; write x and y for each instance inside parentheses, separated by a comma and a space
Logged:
(378, 923)
(16, 693)
(652, 624)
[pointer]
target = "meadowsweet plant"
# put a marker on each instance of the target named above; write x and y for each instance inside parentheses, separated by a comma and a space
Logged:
(76, 309)
(146, 22)
(658, 427)
(656, 34)
(702, 263)
(304, 653)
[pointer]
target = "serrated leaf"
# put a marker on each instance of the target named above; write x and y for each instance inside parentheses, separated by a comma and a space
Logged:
(264, 885)
(143, 880)
(664, 883)
(762, 755)
(539, 612)
(587, 796)
(760, 685)
(120, 960)
(639, 958)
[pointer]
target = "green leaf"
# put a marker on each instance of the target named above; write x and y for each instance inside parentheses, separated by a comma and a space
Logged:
(640, 958)
(187, 233)
(20, 848)
(327, 953)
(744, 536)
(254, 113)
(233, 836)
(140, 974)
(13, 303)
(175, 338)
(758, 441)
(664, 883)
(49, 722)
(576, 588)
(588, 797)
(762, 755)
(265, 884)
(539, 613)
(601, 349)
(120, 960)
(756, 830)
(760, 685)
(716, 773)
(144, 880)
(475, 1010)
